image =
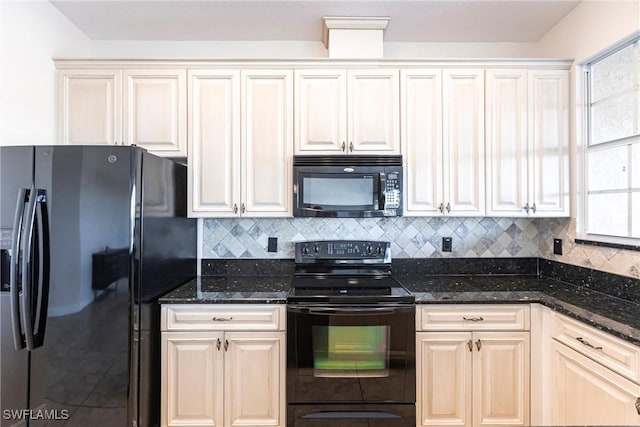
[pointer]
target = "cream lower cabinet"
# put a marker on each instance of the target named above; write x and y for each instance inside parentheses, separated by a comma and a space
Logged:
(472, 378)
(216, 371)
(595, 376)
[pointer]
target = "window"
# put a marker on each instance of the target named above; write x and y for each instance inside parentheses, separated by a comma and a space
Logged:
(612, 164)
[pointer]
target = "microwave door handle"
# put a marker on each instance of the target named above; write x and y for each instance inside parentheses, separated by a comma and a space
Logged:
(381, 191)
(16, 268)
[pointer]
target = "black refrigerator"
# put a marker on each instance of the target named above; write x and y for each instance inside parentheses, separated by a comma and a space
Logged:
(91, 236)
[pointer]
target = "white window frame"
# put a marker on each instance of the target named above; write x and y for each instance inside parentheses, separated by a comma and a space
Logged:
(586, 148)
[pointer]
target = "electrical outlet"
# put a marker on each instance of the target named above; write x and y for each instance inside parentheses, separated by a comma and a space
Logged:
(272, 246)
(557, 246)
(447, 243)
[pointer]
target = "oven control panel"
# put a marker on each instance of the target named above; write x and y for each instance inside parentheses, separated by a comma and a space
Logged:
(342, 251)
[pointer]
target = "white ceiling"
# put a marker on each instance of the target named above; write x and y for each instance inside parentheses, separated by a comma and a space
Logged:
(301, 20)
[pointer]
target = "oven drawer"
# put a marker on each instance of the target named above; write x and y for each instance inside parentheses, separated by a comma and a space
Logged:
(614, 353)
(228, 317)
(470, 317)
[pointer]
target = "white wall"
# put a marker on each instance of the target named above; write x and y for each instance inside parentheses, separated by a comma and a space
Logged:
(31, 34)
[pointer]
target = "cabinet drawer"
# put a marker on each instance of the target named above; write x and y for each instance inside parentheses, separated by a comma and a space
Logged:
(205, 317)
(612, 352)
(470, 317)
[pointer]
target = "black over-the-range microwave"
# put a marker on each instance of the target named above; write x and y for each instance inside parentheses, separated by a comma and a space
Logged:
(354, 186)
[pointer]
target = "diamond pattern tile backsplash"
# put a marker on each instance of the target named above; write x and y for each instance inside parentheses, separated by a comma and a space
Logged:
(410, 237)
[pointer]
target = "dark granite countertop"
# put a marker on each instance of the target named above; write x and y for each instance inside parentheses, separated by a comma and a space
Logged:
(608, 313)
(231, 290)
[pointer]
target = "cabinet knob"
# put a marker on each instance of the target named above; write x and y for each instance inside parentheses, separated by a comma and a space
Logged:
(218, 344)
(351, 146)
(479, 344)
(242, 208)
(226, 345)
(235, 208)
(533, 208)
(526, 208)
(441, 208)
(448, 207)
(469, 344)
(344, 146)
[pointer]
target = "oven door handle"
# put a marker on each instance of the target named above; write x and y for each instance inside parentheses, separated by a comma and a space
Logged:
(325, 311)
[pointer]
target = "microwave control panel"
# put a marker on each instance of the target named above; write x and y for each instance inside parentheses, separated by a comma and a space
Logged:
(392, 192)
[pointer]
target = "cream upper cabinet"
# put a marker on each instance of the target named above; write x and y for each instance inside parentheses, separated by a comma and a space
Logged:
(527, 143)
(347, 111)
(89, 107)
(240, 142)
(266, 142)
(214, 143)
(320, 111)
(223, 365)
(477, 376)
(145, 107)
(443, 141)
(155, 110)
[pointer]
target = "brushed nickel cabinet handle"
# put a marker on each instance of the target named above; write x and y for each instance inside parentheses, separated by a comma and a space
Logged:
(235, 208)
(344, 146)
(222, 319)
(470, 345)
(479, 344)
(351, 146)
(242, 209)
(473, 319)
(533, 208)
(526, 208)
(441, 208)
(448, 207)
(587, 343)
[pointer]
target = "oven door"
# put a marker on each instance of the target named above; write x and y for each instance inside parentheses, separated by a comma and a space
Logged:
(351, 354)
(327, 194)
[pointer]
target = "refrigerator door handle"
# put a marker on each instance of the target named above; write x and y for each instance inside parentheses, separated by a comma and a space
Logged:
(16, 268)
(27, 268)
(42, 291)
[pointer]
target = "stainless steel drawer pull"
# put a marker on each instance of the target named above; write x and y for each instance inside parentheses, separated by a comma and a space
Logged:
(473, 319)
(222, 319)
(588, 344)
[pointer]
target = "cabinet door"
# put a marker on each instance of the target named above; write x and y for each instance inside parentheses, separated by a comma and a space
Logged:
(192, 379)
(463, 131)
(421, 95)
(254, 379)
(373, 105)
(214, 142)
(320, 111)
(443, 393)
(506, 133)
(549, 139)
(155, 111)
(501, 378)
(587, 393)
(89, 107)
(267, 146)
